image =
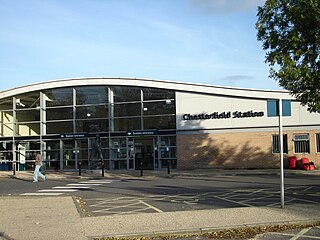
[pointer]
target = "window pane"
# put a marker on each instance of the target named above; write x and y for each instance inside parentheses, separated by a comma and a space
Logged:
(6, 104)
(126, 94)
(276, 143)
(128, 109)
(92, 112)
(59, 127)
(272, 108)
(162, 122)
(286, 108)
(6, 117)
(28, 115)
(59, 97)
(92, 95)
(127, 124)
(157, 94)
(301, 143)
(318, 142)
(94, 125)
(6, 130)
(59, 113)
(29, 100)
(159, 108)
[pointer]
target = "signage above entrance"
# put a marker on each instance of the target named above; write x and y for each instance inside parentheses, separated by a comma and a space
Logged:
(74, 135)
(223, 115)
(142, 132)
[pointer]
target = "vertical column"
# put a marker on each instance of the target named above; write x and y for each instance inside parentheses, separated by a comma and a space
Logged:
(61, 155)
(74, 96)
(111, 123)
(281, 153)
(43, 129)
(14, 133)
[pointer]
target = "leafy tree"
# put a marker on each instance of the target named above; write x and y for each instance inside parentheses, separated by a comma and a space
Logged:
(290, 33)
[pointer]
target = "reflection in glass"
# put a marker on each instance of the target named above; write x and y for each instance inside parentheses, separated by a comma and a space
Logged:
(89, 112)
(160, 122)
(159, 108)
(28, 129)
(59, 113)
(126, 94)
(29, 100)
(127, 124)
(59, 127)
(59, 97)
(6, 104)
(28, 115)
(157, 94)
(91, 95)
(128, 109)
(95, 125)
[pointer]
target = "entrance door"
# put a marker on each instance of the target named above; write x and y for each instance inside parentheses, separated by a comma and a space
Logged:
(144, 153)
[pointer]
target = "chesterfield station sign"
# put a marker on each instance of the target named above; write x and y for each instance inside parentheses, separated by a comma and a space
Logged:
(223, 115)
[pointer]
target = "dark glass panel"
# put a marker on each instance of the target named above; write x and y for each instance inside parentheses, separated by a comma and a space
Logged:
(59, 113)
(160, 122)
(94, 125)
(128, 109)
(6, 117)
(127, 124)
(100, 111)
(6, 130)
(29, 100)
(159, 108)
(59, 127)
(92, 95)
(6, 104)
(157, 94)
(126, 94)
(59, 97)
(28, 115)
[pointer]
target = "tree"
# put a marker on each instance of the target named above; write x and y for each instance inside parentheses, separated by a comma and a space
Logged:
(290, 33)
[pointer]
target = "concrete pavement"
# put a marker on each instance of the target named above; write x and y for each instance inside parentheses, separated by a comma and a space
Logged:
(58, 218)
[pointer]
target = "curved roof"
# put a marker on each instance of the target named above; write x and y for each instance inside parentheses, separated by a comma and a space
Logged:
(142, 82)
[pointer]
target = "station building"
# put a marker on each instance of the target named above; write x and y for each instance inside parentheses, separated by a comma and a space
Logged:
(151, 123)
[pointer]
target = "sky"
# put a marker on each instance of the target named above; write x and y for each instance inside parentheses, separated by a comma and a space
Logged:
(199, 41)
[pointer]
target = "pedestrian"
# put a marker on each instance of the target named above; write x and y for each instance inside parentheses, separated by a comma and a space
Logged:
(38, 164)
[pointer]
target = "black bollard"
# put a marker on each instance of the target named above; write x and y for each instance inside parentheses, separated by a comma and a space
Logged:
(79, 168)
(102, 168)
(141, 169)
(168, 166)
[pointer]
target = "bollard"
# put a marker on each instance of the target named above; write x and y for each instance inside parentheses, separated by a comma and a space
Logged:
(102, 168)
(168, 166)
(79, 168)
(141, 169)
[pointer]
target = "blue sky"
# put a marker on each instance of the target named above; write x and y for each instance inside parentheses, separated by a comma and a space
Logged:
(200, 41)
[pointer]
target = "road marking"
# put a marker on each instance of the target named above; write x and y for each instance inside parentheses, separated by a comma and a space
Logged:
(41, 194)
(150, 206)
(301, 233)
(70, 187)
(81, 184)
(58, 190)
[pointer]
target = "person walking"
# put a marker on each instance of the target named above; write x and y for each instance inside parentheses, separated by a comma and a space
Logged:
(38, 164)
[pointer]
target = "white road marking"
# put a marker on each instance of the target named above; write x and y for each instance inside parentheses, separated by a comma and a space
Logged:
(58, 190)
(41, 194)
(150, 206)
(301, 233)
(70, 187)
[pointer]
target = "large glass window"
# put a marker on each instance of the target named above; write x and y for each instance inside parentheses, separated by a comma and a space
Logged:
(59, 97)
(91, 95)
(90, 112)
(318, 142)
(59, 127)
(159, 107)
(127, 124)
(6, 104)
(126, 94)
(59, 113)
(160, 122)
(94, 125)
(157, 94)
(29, 100)
(127, 109)
(30, 115)
(28, 129)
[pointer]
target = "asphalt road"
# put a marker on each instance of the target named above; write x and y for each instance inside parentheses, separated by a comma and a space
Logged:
(163, 194)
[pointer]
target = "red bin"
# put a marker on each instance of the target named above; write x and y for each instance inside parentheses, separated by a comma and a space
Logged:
(304, 161)
(292, 162)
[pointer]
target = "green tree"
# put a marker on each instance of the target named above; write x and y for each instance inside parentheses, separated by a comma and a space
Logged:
(290, 33)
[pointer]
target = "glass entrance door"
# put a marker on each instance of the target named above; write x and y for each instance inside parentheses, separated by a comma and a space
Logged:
(144, 153)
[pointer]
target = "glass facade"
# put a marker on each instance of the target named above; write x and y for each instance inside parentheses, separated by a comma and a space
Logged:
(63, 124)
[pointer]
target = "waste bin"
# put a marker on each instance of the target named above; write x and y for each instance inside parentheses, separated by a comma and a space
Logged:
(304, 161)
(292, 162)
